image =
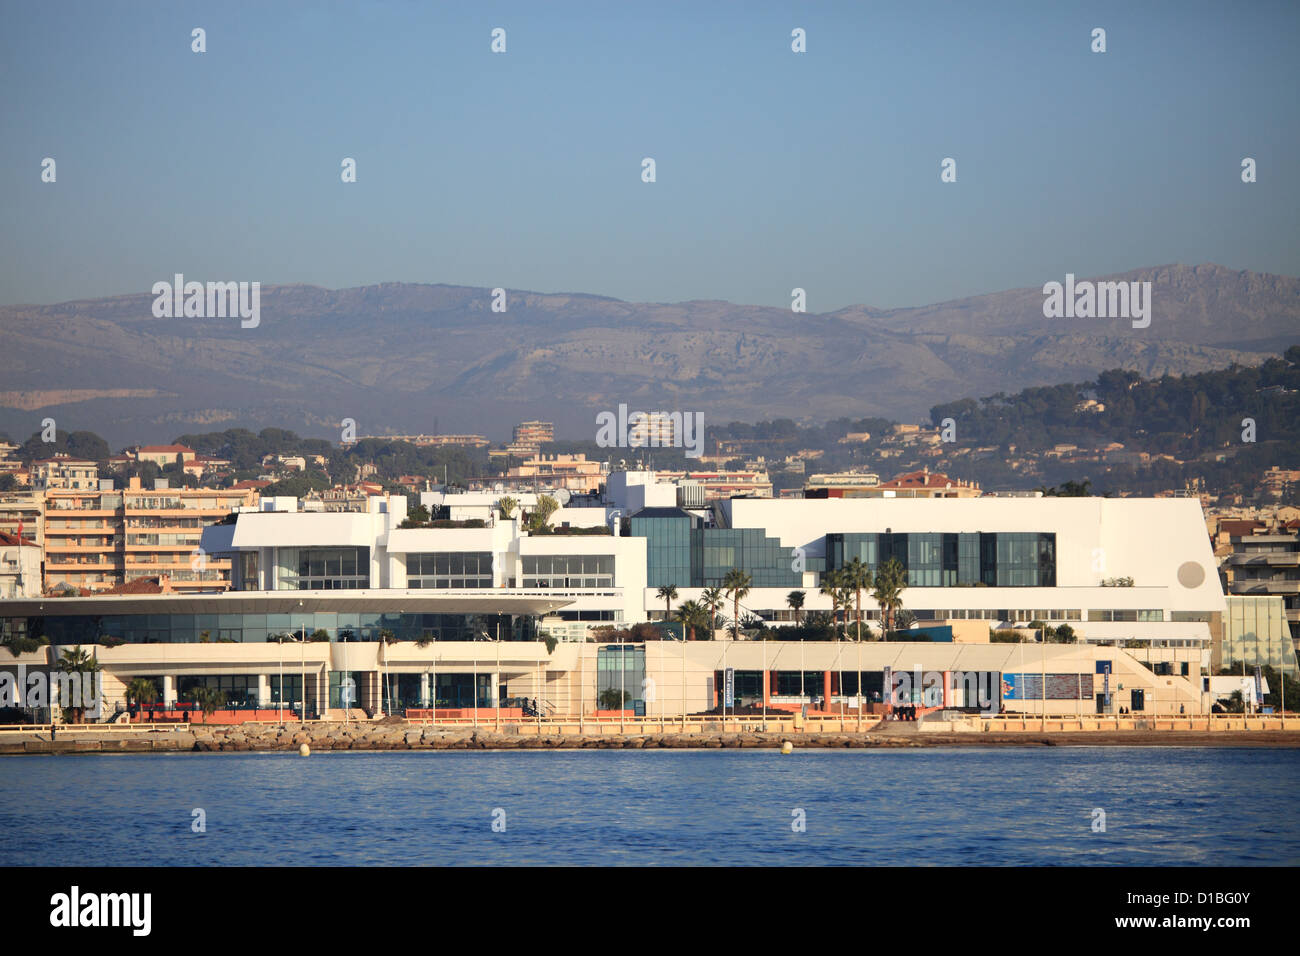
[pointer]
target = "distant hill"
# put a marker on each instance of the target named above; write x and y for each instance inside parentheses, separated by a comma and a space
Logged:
(396, 356)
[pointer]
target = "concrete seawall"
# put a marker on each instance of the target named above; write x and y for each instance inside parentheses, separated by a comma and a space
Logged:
(399, 735)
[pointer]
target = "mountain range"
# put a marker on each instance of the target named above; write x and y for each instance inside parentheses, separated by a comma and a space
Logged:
(403, 357)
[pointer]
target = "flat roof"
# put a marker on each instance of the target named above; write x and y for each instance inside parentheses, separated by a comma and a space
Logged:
(358, 601)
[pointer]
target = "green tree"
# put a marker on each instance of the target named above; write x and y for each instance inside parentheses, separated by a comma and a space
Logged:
(795, 601)
(208, 699)
(736, 584)
(24, 645)
(74, 660)
(613, 698)
(712, 599)
(506, 507)
(140, 691)
(667, 593)
(541, 515)
(690, 615)
(858, 578)
(832, 582)
(890, 582)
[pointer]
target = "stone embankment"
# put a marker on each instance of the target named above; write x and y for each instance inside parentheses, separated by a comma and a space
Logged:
(403, 736)
(399, 735)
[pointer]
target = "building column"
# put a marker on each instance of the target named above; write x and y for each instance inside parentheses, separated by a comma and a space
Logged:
(826, 689)
(769, 681)
(424, 690)
(367, 691)
(495, 689)
(168, 690)
(263, 690)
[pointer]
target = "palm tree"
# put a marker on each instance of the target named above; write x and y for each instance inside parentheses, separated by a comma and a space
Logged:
(141, 690)
(506, 507)
(795, 601)
(209, 699)
(712, 599)
(845, 598)
(690, 614)
(890, 582)
(736, 584)
(830, 586)
(74, 660)
(667, 594)
(858, 577)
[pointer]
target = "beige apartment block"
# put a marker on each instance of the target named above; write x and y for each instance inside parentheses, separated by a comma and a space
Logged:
(64, 472)
(25, 510)
(105, 538)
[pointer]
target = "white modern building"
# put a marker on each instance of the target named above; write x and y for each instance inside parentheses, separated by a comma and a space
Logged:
(458, 610)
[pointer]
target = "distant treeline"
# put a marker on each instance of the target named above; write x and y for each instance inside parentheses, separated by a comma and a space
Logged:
(1197, 419)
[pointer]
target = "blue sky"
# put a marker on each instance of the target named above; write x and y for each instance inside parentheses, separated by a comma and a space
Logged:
(775, 170)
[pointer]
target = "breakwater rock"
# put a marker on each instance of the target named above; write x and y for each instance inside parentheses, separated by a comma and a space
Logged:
(400, 736)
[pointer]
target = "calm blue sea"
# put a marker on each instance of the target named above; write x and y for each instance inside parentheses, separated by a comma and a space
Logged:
(942, 806)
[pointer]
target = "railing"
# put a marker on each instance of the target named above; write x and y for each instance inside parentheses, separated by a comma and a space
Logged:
(113, 728)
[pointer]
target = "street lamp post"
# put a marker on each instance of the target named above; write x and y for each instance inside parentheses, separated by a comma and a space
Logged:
(302, 651)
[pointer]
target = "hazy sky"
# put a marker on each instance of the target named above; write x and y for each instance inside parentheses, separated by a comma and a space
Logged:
(523, 169)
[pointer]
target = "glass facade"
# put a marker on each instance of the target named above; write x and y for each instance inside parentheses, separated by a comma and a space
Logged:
(668, 547)
(621, 667)
(319, 569)
(682, 553)
(238, 690)
(943, 559)
(1255, 631)
(568, 571)
(258, 628)
(449, 569)
(464, 690)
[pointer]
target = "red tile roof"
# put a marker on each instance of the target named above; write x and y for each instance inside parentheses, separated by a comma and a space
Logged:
(138, 586)
(12, 541)
(923, 479)
(1236, 527)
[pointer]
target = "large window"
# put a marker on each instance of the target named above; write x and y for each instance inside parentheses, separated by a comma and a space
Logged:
(568, 570)
(323, 569)
(238, 690)
(944, 559)
(620, 672)
(1125, 615)
(449, 569)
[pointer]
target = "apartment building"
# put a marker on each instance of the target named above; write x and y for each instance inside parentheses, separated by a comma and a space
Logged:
(23, 512)
(573, 473)
(20, 567)
(1264, 559)
(534, 433)
(63, 472)
(103, 538)
(165, 455)
(720, 485)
